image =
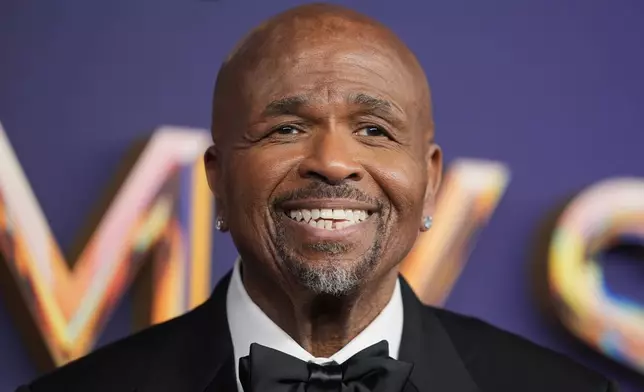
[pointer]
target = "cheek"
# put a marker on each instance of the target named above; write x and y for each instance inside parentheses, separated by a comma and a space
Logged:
(251, 179)
(404, 182)
(254, 176)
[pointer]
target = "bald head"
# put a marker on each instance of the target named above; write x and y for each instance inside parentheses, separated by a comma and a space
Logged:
(317, 30)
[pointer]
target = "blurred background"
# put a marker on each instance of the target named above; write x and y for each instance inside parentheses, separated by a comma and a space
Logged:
(552, 88)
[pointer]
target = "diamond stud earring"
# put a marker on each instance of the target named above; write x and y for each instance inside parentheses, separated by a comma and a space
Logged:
(219, 225)
(427, 223)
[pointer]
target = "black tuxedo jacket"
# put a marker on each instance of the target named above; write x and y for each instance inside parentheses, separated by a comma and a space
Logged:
(450, 353)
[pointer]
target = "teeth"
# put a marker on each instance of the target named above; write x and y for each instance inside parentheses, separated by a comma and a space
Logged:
(328, 219)
(338, 214)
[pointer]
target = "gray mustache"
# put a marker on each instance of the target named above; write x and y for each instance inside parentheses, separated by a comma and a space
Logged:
(325, 191)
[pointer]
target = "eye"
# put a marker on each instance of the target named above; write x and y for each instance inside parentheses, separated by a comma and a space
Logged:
(286, 130)
(372, 131)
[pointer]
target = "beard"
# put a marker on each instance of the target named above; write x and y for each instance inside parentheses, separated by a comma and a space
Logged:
(334, 274)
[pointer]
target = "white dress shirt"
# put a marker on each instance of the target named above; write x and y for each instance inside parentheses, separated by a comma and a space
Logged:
(248, 324)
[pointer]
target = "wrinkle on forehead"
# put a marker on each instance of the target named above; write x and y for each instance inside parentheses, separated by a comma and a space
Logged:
(305, 30)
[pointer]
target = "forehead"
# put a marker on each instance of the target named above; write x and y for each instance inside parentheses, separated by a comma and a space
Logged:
(329, 71)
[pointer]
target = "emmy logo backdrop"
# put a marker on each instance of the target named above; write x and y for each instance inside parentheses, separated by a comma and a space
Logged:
(106, 218)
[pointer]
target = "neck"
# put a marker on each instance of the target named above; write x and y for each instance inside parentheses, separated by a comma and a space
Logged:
(321, 324)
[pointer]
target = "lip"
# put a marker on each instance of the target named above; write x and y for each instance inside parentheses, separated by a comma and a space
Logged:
(310, 204)
(315, 233)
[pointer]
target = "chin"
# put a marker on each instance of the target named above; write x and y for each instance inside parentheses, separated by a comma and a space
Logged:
(333, 272)
(335, 282)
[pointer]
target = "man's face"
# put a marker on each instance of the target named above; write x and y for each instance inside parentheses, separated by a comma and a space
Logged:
(326, 173)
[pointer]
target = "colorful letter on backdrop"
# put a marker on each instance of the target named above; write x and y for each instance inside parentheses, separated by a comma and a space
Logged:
(162, 211)
(600, 217)
(468, 197)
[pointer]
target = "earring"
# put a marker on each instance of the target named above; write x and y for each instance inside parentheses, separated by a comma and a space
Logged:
(427, 223)
(219, 225)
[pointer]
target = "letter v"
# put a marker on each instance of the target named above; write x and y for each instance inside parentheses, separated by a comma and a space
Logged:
(162, 212)
(468, 197)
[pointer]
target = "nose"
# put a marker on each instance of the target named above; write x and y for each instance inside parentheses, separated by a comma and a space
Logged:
(330, 159)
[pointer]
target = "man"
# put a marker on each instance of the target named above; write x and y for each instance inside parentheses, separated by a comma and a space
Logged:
(324, 169)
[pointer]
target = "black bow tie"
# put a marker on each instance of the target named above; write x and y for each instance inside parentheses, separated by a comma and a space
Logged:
(370, 370)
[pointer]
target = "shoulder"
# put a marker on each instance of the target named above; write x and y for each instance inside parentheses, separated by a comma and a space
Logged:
(121, 365)
(501, 360)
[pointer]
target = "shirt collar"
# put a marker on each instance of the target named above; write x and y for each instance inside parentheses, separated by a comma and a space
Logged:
(248, 324)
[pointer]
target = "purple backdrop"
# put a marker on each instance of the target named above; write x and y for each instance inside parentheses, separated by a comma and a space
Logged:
(554, 88)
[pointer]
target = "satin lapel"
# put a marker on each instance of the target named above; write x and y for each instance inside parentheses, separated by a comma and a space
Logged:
(201, 357)
(425, 343)
(225, 380)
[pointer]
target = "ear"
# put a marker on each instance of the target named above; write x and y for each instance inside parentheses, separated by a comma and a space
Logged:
(212, 163)
(434, 162)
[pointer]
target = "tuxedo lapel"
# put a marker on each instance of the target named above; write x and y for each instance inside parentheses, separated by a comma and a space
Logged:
(225, 379)
(201, 359)
(425, 343)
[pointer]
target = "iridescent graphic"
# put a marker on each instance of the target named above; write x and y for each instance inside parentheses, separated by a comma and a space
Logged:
(162, 213)
(470, 193)
(599, 218)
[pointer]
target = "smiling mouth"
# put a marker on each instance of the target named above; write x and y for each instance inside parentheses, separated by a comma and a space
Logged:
(328, 219)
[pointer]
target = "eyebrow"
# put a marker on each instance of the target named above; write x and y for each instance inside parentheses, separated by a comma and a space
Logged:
(292, 106)
(371, 104)
(378, 107)
(285, 106)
